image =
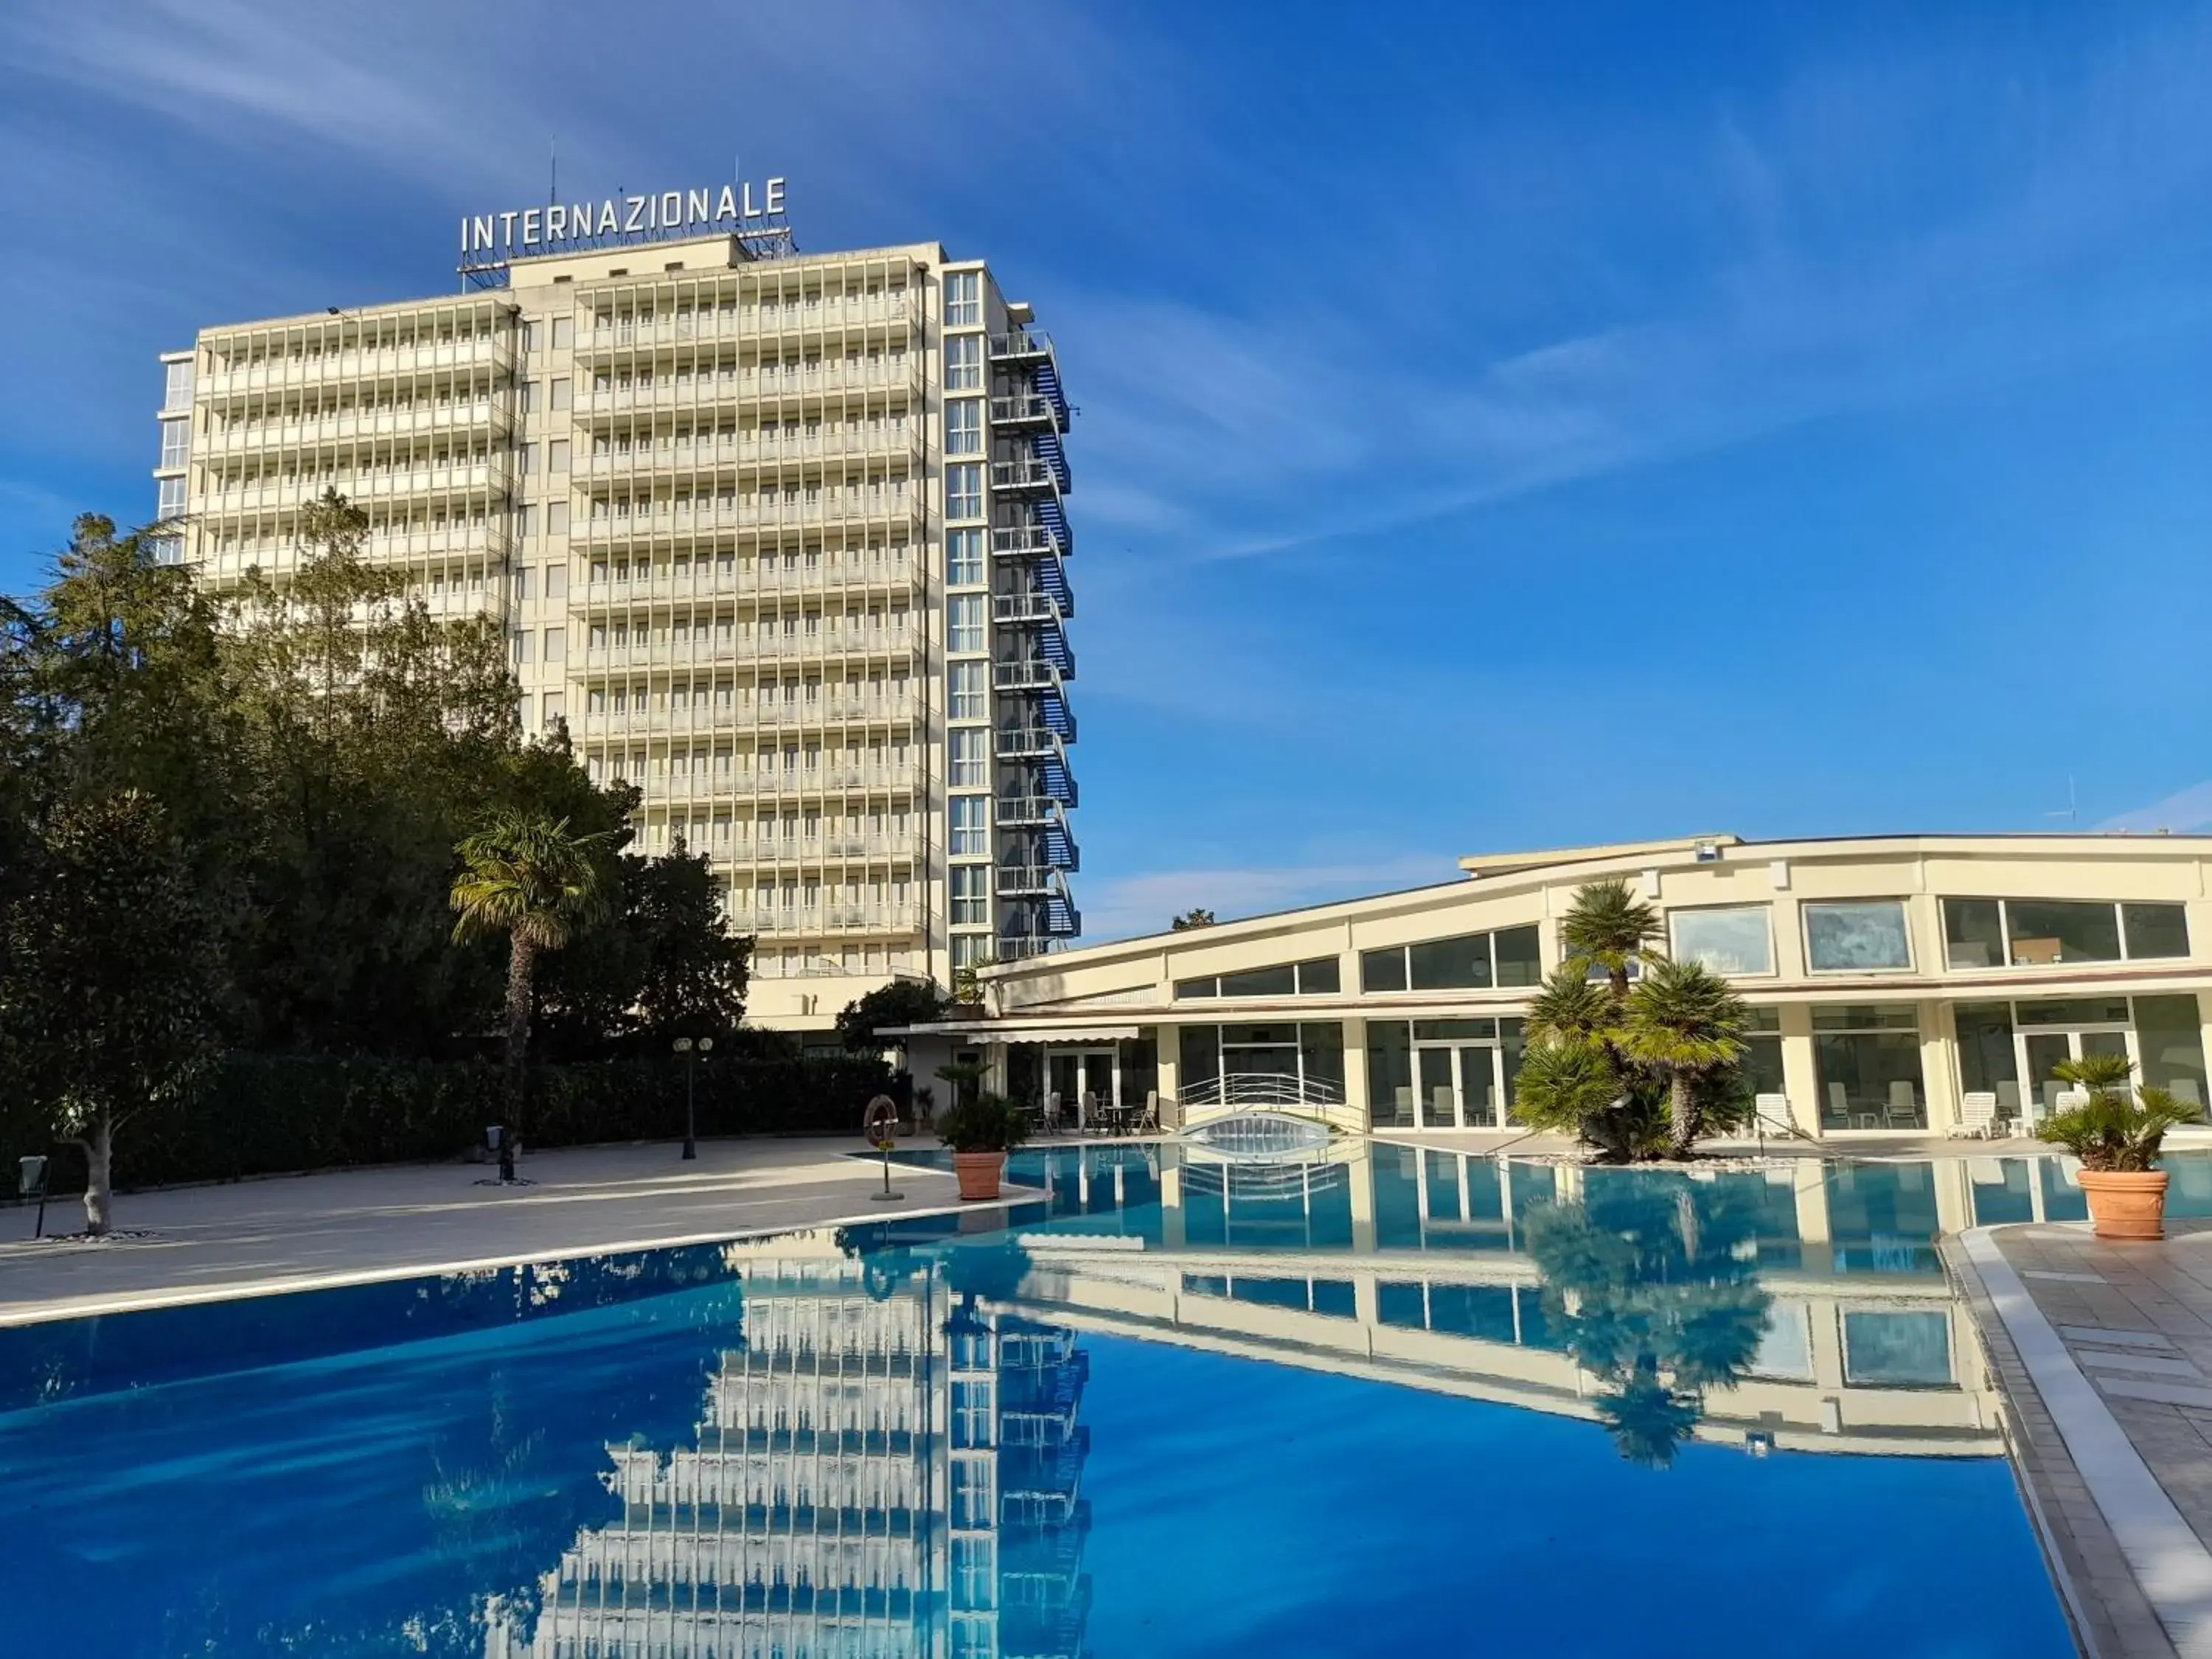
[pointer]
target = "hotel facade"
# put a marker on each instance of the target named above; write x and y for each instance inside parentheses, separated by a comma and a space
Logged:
(781, 539)
(1889, 978)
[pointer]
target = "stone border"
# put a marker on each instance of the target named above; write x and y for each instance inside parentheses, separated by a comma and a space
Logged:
(2135, 1577)
(200, 1296)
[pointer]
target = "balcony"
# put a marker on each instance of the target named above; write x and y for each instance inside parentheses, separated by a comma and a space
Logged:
(1030, 742)
(894, 506)
(355, 364)
(1015, 608)
(475, 418)
(804, 921)
(1028, 541)
(1028, 409)
(1027, 476)
(1021, 947)
(815, 782)
(480, 477)
(741, 451)
(703, 580)
(1028, 811)
(1021, 347)
(756, 382)
(1030, 881)
(756, 322)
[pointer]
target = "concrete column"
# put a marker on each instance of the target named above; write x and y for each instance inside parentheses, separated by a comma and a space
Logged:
(1801, 1074)
(1169, 1045)
(1355, 1074)
(1360, 1173)
(1939, 1070)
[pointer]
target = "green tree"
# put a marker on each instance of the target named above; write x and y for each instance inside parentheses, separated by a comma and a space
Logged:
(108, 979)
(902, 1002)
(1190, 919)
(1608, 926)
(537, 883)
(1686, 1025)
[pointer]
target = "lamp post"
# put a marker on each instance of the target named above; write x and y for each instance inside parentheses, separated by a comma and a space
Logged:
(691, 1051)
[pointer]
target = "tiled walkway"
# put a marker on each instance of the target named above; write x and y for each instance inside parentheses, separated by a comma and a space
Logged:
(2106, 1353)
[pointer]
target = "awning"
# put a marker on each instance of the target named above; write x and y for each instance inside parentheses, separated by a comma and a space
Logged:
(1007, 1031)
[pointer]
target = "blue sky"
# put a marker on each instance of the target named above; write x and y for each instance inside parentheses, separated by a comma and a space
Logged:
(1501, 425)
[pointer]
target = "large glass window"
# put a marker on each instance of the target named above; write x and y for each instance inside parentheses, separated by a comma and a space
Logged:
(963, 427)
(970, 685)
(1390, 1073)
(1860, 937)
(970, 817)
(176, 388)
(963, 299)
(971, 895)
(1736, 940)
(964, 490)
(1314, 978)
(1466, 962)
(1867, 1059)
(963, 363)
(170, 503)
(1987, 1061)
(176, 442)
(2169, 1034)
(1888, 1350)
(964, 623)
(964, 557)
(1981, 932)
(1762, 1052)
(969, 752)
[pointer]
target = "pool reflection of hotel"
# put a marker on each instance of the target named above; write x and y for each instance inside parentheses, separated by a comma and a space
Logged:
(1890, 982)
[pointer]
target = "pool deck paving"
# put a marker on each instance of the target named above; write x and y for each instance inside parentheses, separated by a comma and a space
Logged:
(351, 1226)
(2104, 1351)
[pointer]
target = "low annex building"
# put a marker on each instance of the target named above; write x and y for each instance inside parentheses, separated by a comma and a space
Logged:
(1888, 976)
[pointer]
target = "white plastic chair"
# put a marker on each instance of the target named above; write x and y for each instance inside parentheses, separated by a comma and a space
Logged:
(1904, 1108)
(1977, 1115)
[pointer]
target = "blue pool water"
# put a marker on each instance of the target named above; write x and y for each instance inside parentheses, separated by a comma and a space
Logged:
(1405, 1403)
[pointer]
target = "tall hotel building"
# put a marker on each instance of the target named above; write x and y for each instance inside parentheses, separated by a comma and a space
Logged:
(781, 538)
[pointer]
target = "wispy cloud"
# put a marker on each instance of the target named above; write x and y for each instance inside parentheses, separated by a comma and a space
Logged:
(2186, 812)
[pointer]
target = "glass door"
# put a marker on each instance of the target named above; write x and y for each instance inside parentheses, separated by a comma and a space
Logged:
(1457, 1086)
(1439, 1090)
(2043, 1052)
(1477, 1095)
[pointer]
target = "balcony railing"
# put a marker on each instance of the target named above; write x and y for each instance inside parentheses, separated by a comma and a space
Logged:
(819, 780)
(751, 322)
(1020, 345)
(1033, 675)
(247, 437)
(842, 642)
(1024, 608)
(1027, 408)
(708, 581)
(1025, 541)
(1030, 881)
(482, 477)
(745, 450)
(1030, 474)
(354, 365)
(801, 922)
(763, 380)
(707, 723)
(1028, 811)
(893, 504)
(1028, 743)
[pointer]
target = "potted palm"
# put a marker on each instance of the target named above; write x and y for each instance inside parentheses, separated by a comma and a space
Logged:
(2117, 1131)
(981, 1128)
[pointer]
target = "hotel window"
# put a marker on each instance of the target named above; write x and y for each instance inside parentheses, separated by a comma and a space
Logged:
(176, 442)
(1735, 939)
(964, 491)
(970, 749)
(1762, 1051)
(964, 557)
(1466, 962)
(564, 333)
(970, 817)
(1895, 1350)
(970, 949)
(963, 427)
(1319, 977)
(1867, 1059)
(964, 623)
(171, 502)
(971, 895)
(963, 363)
(176, 388)
(970, 684)
(2039, 932)
(963, 299)
(1864, 937)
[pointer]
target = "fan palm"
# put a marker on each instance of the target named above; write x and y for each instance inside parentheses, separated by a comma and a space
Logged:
(1686, 1022)
(2116, 1127)
(531, 879)
(1609, 926)
(1570, 1008)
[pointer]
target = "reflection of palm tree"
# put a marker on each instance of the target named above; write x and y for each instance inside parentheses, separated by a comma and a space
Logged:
(1645, 1281)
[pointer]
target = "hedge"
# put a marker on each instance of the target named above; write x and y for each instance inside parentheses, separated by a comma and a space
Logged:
(269, 1114)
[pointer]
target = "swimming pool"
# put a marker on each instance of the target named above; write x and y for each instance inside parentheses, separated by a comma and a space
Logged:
(1380, 1399)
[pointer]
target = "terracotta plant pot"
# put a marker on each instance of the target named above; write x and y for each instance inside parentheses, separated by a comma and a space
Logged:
(2123, 1203)
(979, 1173)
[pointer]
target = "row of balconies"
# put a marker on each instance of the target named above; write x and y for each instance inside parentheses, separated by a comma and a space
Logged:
(710, 581)
(891, 507)
(816, 850)
(757, 382)
(382, 485)
(764, 647)
(741, 451)
(821, 780)
(355, 364)
(826, 711)
(754, 322)
(386, 547)
(243, 437)
(801, 922)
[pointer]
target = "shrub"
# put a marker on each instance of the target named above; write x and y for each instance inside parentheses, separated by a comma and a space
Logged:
(982, 1122)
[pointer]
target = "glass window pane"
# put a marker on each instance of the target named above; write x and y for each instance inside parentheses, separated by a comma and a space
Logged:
(2059, 930)
(1870, 1080)
(1320, 977)
(1867, 1016)
(1974, 933)
(1454, 1030)
(2170, 1032)
(1987, 1060)
(1382, 970)
(1762, 1065)
(1259, 983)
(1897, 1349)
(1321, 1051)
(1186, 989)
(1842, 938)
(1735, 941)
(1519, 960)
(1390, 1073)
(2156, 930)
(1200, 1051)
(2075, 1011)
(1443, 964)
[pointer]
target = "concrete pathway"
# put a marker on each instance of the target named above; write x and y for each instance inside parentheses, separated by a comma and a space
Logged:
(2104, 1350)
(349, 1226)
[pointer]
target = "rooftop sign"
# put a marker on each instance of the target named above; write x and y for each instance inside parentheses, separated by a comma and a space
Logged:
(489, 237)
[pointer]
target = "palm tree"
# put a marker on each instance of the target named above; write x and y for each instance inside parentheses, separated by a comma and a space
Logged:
(528, 876)
(1686, 1023)
(1569, 1008)
(1609, 928)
